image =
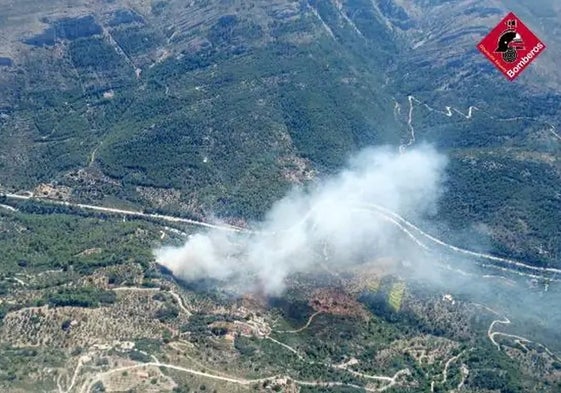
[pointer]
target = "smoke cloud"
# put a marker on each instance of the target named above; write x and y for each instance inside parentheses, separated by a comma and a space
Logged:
(324, 225)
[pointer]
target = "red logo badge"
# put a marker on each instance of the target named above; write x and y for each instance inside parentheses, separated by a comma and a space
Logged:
(511, 46)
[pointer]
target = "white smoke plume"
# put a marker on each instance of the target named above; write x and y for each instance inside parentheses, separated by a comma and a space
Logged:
(299, 228)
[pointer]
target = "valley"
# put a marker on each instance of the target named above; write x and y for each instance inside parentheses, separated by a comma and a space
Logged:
(286, 195)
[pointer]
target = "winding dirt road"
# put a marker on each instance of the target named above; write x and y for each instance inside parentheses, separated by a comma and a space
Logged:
(175, 295)
(303, 327)
(450, 111)
(90, 382)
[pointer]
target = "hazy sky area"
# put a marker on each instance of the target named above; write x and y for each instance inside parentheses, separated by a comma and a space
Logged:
(298, 228)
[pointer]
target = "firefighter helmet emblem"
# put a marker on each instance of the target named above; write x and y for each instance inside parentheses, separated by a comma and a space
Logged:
(510, 42)
(511, 46)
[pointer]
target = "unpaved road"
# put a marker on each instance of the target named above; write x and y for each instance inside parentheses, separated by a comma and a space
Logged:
(175, 295)
(450, 111)
(88, 385)
(303, 327)
(8, 207)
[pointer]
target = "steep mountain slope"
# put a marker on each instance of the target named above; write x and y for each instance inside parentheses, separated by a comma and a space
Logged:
(218, 107)
(505, 169)
(266, 92)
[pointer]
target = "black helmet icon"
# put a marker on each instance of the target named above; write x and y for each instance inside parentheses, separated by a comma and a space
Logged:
(508, 44)
(506, 39)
